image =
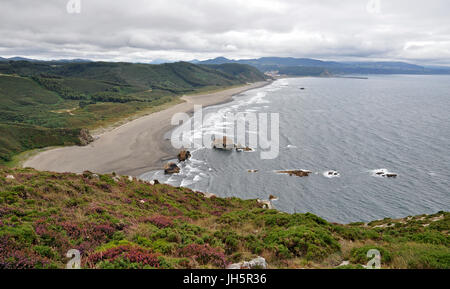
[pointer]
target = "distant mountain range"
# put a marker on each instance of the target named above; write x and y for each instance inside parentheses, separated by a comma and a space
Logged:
(308, 66)
(295, 66)
(18, 58)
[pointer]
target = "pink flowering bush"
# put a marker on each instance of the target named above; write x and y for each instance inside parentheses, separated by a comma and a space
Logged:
(161, 221)
(14, 257)
(204, 254)
(125, 253)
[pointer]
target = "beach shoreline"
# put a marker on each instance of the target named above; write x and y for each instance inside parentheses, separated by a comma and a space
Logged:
(135, 147)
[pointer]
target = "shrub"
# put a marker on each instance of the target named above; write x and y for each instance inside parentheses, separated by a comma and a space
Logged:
(204, 254)
(431, 259)
(359, 255)
(314, 243)
(12, 256)
(126, 255)
(161, 221)
(45, 251)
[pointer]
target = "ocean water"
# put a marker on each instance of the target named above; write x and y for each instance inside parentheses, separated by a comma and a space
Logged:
(394, 123)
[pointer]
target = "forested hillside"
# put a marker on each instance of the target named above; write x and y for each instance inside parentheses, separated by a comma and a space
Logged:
(61, 98)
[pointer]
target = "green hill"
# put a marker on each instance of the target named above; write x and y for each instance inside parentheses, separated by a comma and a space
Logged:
(118, 223)
(70, 96)
(17, 138)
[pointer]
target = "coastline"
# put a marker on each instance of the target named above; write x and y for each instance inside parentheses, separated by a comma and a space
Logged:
(133, 148)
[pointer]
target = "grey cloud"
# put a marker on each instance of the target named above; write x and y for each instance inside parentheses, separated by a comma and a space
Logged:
(139, 30)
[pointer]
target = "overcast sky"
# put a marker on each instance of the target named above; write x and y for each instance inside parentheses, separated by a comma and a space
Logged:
(144, 30)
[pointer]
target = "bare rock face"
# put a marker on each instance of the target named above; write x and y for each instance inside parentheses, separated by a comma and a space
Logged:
(298, 173)
(258, 263)
(85, 137)
(171, 168)
(184, 155)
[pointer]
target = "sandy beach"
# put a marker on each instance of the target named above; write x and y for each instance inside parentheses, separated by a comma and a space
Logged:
(133, 148)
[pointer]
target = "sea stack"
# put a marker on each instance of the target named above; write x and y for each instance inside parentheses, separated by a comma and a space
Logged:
(171, 168)
(184, 156)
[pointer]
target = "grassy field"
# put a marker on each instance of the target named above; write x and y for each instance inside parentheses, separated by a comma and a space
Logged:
(55, 98)
(118, 223)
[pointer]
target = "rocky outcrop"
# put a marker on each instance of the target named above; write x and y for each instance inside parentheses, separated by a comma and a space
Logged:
(10, 177)
(85, 137)
(257, 263)
(171, 168)
(298, 173)
(184, 155)
(265, 204)
(90, 175)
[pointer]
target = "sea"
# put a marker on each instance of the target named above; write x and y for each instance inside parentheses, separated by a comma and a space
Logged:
(349, 133)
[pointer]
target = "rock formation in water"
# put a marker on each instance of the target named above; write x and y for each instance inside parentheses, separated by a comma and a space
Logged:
(298, 173)
(171, 168)
(184, 155)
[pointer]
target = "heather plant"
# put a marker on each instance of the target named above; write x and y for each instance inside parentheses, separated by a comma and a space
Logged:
(204, 254)
(302, 241)
(124, 256)
(139, 225)
(161, 221)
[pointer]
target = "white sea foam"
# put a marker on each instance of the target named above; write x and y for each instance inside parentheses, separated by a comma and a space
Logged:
(331, 174)
(380, 173)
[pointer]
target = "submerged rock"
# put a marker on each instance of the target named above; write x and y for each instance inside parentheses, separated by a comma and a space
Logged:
(171, 168)
(298, 173)
(241, 148)
(384, 173)
(184, 155)
(391, 175)
(331, 174)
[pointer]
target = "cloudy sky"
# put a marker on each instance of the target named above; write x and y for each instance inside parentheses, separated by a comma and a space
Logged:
(144, 30)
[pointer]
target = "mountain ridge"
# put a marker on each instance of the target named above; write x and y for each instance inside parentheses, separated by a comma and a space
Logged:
(300, 66)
